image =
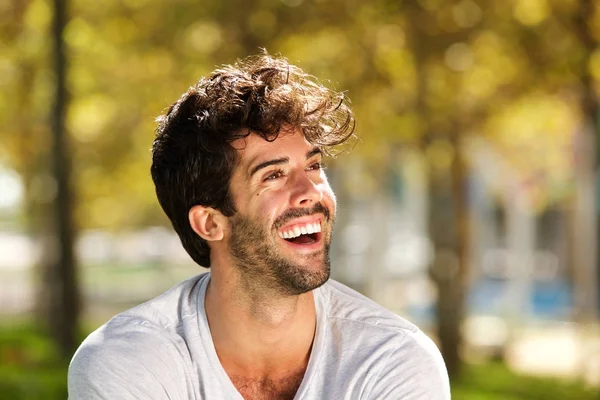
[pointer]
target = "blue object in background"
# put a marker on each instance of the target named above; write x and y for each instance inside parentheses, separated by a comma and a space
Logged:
(548, 300)
(553, 299)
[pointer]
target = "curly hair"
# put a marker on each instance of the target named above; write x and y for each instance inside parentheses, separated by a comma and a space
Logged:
(192, 154)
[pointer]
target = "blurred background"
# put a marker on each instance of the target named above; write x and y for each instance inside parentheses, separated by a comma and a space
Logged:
(469, 206)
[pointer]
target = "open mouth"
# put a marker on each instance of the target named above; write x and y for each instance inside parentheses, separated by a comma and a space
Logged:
(302, 234)
(305, 239)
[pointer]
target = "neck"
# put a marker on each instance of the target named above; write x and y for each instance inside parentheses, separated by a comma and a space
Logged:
(258, 333)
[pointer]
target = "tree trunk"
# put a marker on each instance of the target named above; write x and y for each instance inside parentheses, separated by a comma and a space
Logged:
(59, 277)
(587, 167)
(448, 211)
(449, 231)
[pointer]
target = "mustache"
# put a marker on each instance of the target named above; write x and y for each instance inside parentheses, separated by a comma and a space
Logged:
(290, 214)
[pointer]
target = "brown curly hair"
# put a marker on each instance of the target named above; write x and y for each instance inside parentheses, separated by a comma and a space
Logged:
(192, 154)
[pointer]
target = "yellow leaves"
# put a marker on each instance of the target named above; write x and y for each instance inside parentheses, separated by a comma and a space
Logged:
(439, 86)
(103, 212)
(137, 4)
(131, 58)
(480, 83)
(394, 61)
(38, 15)
(79, 34)
(431, 5)
(498, 55)
(459, 57)
(390, 37)
(89, 116)
(379, 124)
(531, 12)
(119, 199)
(156, 64)
(407, 127)
(486, 63)
(466, 13)
(327, 51)
(33, 37)
(292, 3)
(327, 44)
(120, 30)
(594, 64)
(99, 203)
(8, 73)
(535, 118)
(263, 23)
(82, 79)
(204, 36)
(398, 66)
(87, 43)
(534, 134)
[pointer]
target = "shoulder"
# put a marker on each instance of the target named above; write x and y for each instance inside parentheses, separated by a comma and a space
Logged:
(405, 362)
(136, 354)
(167, 309)
(414, 371)
(126, 359)
(345, 304)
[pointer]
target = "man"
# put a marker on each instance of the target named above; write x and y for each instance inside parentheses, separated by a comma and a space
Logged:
(237, 164)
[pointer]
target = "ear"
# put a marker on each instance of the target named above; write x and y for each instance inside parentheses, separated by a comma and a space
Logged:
(207, 222)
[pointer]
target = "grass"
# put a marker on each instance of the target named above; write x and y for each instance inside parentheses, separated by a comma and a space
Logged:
(494, 381)
(30, 369)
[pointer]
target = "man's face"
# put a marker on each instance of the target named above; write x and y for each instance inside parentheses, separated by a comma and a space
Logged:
(280, 235)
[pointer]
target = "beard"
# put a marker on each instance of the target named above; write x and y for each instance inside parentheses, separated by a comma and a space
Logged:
(262, 264)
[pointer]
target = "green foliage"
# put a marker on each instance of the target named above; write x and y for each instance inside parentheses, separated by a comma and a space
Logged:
(495, 381)
(30, 367)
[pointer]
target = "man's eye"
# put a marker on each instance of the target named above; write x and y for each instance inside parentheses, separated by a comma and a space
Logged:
(274, 175)
(316, 166)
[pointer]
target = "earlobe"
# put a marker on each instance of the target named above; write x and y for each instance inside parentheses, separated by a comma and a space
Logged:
(206, 222)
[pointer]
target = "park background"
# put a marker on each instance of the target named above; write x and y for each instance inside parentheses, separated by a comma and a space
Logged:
(469, 205)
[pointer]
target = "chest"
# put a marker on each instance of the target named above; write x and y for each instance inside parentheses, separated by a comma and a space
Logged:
(283, 388)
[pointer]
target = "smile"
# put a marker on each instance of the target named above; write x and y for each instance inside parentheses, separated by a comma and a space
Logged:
(301, 229)
(302, 233)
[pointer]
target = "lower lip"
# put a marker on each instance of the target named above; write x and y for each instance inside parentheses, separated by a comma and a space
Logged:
(308, 247)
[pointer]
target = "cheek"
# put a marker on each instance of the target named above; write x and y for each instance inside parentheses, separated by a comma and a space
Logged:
(329, 198)
(268, 207)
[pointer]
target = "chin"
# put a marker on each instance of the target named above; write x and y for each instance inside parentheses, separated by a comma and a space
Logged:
(295, 279)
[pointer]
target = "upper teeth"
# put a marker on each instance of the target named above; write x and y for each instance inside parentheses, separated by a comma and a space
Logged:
(298, 230)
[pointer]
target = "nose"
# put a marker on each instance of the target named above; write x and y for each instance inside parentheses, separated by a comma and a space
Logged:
(305, 192)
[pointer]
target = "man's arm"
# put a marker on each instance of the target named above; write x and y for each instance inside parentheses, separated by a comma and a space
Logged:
(135, 365)
(415, 371)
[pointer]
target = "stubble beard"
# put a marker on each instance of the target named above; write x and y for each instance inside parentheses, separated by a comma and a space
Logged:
(263, 267)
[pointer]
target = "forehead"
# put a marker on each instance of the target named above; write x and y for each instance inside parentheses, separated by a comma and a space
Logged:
(254, 148)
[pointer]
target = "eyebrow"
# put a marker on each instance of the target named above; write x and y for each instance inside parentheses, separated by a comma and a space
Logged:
(313, 152)
(277, 161)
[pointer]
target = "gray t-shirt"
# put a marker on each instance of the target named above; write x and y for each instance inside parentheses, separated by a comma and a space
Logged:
(163, 349)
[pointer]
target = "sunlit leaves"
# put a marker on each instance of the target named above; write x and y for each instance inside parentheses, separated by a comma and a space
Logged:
(531, 12)
(408, 67)
(37, 17)
(594, 64)
(466, 13)
(263, 23)
(395, 62)
(324, 54)
(203, 36)
(89, 116)
(535, 135)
